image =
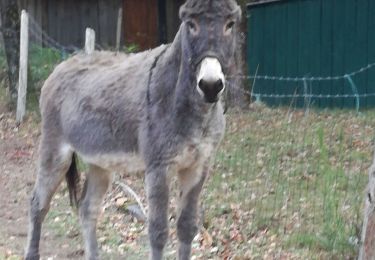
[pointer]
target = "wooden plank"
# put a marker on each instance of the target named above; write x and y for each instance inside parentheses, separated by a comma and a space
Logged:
(104, 31)
(60, 25)
(254, 50)
(251, 40)
(22, 83)
(89, 16)
(338, 61)
(284, 85)
(52, 21)
(162, 21)
(143, 32)
(33, 8)
(38, 12)
(326, 53)
(173, 20)
(360, 49)
(77, 36)
(66, 17)
(260, 84)
(108, 22)
(269, 52)
(292, 49)
(314, 35)
(304, 68)
(68, 20)
(44, 11)
(280, 58)
(309, 52)
(350, 43)
(371, 52)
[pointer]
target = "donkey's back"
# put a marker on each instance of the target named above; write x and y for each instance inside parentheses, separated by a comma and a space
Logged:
(93, 103)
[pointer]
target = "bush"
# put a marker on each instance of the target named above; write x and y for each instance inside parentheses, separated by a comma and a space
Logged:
(42, 61)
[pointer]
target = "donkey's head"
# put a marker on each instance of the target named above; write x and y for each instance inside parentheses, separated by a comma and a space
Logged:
(209, 37)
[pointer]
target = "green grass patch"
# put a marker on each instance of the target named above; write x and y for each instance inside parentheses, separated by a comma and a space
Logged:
(292, 182)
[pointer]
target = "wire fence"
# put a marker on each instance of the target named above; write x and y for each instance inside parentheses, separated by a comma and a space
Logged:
(307, 89)
(286, 184)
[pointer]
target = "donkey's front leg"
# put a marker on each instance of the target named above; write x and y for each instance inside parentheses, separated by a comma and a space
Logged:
(191, 183)
(157, 195)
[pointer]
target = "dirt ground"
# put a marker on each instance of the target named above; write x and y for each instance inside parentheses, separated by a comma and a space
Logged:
(119, 233)
(18, 152)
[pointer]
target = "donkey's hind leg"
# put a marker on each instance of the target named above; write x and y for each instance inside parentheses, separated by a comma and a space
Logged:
(53, 164)
(96, 185)
(191, 182)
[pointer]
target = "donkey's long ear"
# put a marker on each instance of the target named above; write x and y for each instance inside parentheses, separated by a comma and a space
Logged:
(237, 13)
(183, 12)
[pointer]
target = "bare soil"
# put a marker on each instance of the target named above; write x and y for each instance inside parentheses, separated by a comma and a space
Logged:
(120, 234)
(18, 146)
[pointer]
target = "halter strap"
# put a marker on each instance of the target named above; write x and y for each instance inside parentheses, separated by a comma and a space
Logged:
(206, 54)
(150, 74)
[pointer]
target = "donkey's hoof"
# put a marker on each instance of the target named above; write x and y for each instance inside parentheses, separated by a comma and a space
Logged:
(32, 257)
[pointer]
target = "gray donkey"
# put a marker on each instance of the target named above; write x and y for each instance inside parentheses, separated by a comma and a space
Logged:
(160, 110)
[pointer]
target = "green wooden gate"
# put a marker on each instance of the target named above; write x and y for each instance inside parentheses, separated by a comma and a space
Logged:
(321, 42)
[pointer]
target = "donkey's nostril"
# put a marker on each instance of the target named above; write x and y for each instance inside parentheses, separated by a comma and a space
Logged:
(211, 85)
(219, 85)
(201, 84)
(210, 89)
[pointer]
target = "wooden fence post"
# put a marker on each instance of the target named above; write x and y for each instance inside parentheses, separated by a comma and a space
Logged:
(118, 32)
(90, 41)
(367, 243)
(22, 81)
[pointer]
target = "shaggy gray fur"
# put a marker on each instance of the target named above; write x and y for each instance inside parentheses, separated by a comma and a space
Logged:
(107, 107)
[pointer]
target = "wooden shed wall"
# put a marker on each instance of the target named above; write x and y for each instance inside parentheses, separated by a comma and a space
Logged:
(146, 23)
(66, 20)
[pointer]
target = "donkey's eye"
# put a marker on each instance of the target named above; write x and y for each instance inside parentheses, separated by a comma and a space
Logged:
(193, 27)
(228, 27)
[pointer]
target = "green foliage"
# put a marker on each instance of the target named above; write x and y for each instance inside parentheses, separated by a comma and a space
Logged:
(131, 48)
(2, 58)
(3, 67)
(42, 61)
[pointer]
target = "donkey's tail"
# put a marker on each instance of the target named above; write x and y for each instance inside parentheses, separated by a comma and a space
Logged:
(72, 180)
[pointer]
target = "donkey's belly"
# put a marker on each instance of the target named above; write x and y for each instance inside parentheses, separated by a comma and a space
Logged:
(117, 162)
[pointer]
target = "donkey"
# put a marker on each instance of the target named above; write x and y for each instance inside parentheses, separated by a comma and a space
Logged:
(161, 110)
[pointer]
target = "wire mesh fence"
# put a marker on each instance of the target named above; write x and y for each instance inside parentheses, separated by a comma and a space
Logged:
(286, 182)
(293, 183)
